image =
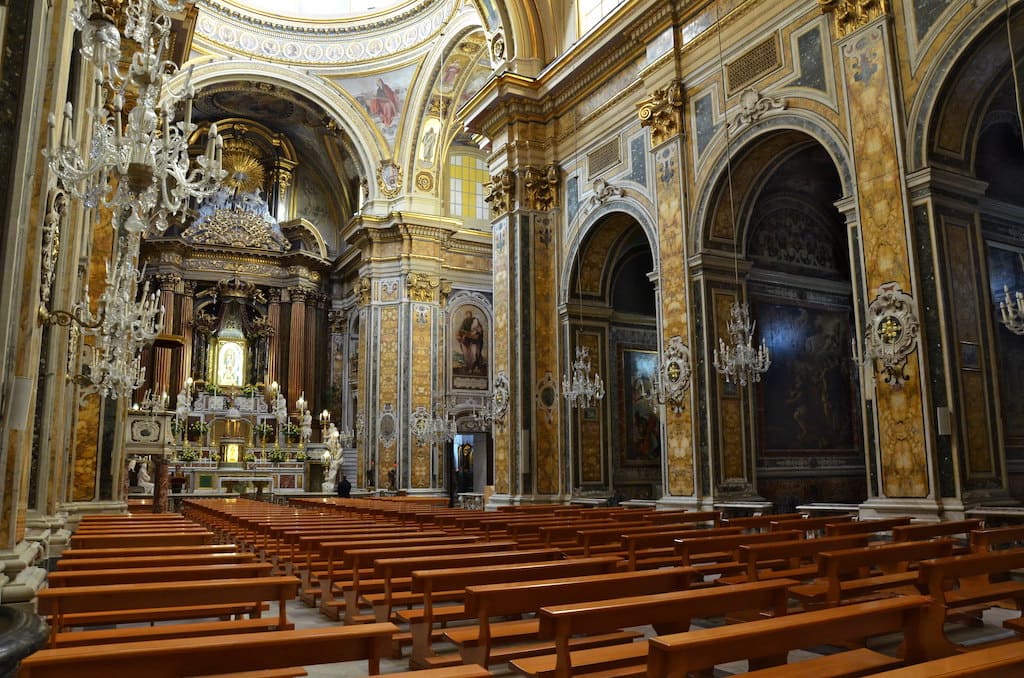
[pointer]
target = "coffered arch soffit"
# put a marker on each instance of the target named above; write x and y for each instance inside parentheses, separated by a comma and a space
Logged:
(945, 117)
(755, 151)
(618, 216)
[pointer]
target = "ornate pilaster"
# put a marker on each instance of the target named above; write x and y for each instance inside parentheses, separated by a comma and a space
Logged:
(663, 112)
(273, 342)
(187, 309)
(849, 15)
(283, 170)
(869, 75)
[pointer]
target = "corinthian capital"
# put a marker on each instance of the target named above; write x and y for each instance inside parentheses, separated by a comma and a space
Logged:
(541, 187)
(500, 191)
(849, 15)
(663, 112)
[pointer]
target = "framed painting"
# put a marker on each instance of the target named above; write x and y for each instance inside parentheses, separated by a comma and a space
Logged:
(470, 333)
(641, 423)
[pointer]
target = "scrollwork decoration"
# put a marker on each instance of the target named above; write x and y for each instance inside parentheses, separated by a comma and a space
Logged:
(892, 335)
(500, 398)
(674, 374)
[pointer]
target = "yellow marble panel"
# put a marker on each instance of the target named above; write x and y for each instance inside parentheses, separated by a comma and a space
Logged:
(867, 74)
(963, 283)
(591, 444)
(595, 256)
(546, 354)
(87, 426)
(500, 355)
(675, 320)
(423, 361)
(388, 380)
(362, 375)
(731, 415)
(979, 452)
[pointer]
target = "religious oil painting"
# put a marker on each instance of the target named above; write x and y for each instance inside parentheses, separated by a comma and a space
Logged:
(383, 97)
(641, 424)
(470, 346)
(808, 396)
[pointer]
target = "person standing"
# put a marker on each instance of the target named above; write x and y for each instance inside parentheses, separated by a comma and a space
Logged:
(344, 488)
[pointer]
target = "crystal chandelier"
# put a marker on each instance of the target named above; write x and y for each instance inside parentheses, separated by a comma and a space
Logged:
(437, 428)
(133, 161)
(582, 389)
(740, 362)
(1012, 313)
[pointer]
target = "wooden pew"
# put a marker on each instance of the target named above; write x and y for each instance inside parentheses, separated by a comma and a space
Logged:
(489, 643)
(866, 526)
(434, 583)
(666, 612)
(759, 523)
(999, 661)
(108, 563)
(141, 539)
(762, 641)
(72, 606)
(221, 654)
(794, 559)
(140, 575)
(657, 549)
(973, 587)
(949, 528)
(809, 525)
(997, 537)
(199, 549)
(875, 570)
(720, 555)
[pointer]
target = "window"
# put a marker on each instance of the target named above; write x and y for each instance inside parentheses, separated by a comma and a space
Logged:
(591, 12)
(467, 175)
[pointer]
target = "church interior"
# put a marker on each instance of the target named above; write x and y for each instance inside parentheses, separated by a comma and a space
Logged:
(746, 256)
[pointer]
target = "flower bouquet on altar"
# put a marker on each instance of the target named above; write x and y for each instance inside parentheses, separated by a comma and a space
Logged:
(275, 455)
(299, 455)
(188, 454)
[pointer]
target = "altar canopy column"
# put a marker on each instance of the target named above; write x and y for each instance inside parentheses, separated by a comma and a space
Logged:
(662, 113)
(865, 53)
(273, 343)
(162, 356)
(187, 309)
(297, 342)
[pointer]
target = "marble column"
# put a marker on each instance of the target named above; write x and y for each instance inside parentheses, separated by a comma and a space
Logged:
(161, 483)
(273, 341)
(162, 356)
(187, 309)
(296, 342)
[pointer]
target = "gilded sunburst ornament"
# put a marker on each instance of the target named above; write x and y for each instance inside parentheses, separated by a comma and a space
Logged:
(244, 172)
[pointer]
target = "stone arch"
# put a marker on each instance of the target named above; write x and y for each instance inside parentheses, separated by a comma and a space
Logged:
(801, 125)
(984, 26)
(368, 149)
(626, 205)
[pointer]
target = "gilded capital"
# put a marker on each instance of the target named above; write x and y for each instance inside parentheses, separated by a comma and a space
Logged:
(541, 187)
(849, 15)
(663, 112)
(167, 281)
(421, 287)
(500, 191)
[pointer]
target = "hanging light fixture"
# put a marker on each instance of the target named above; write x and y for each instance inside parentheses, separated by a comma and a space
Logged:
(1012, 314)
(134, 161)
(581, 388)
(738, 362)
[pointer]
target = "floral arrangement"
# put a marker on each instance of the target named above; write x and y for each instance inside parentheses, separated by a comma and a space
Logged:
(275, 454)
(177, 426)
(300, 455)
(290, 429)
(188, 454)
(250, 456)
(199, 426)
(249, 390)
(263, 429)
(215, 457)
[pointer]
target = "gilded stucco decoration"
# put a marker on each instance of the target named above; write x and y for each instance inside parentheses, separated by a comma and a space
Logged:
(497, 48)
(389, 179)
(849, 15)
(364, 290)
(674, 374)
(753, 107)
(386, 425)
(500, 398)
(421, 287)
(602, 193)
(892, 334)
(500, 190)
(541, 187)
(239, 220)
(663, 112)
(245, 172)
(547, 397)
(425, 181)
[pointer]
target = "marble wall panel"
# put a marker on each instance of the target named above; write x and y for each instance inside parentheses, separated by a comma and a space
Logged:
(546, 355)
(729, 404)
(867, 73)
(592, 450)
(388, 381)
(425, 355)
(87, 430)
(503, 340)
(678, 428)
(361, 395)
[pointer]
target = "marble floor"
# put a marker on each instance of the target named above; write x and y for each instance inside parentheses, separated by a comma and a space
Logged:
(306, 617)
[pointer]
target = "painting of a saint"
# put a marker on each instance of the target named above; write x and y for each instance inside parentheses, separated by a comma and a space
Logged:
(641, 425)
(230, 364)
(469, 350)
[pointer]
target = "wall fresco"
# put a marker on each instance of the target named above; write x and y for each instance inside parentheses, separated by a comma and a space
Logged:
(678, 428)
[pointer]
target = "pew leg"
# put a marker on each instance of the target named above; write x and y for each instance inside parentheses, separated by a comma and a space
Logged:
(421, 648)
(934, 643)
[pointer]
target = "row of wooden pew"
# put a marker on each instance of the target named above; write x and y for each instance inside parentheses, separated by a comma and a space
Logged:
(408, 573)
(444, 595)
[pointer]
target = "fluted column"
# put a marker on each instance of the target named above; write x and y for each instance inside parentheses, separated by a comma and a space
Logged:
(187, 309)
(296, 342)
(313, 361)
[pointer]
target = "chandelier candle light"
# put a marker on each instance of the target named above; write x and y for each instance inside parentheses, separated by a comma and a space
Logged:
(137, 165)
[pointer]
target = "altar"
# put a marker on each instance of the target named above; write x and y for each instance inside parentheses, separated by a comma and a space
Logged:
(250, 478)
